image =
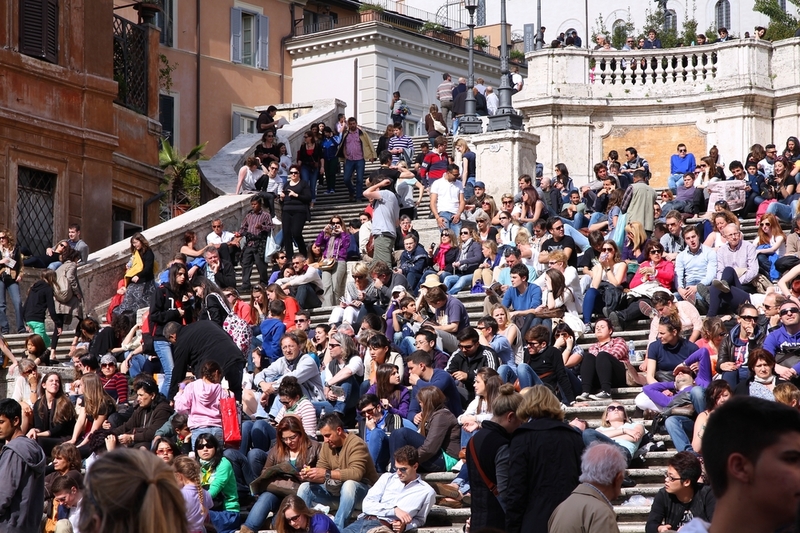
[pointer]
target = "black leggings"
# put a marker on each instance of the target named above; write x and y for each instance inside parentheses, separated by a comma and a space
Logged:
(293, 223)
(604, 370)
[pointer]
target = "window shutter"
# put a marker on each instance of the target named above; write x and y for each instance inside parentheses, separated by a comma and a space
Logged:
(236, 35)
(51, 31)
(236, 125)
(31, 27)
(262, 61)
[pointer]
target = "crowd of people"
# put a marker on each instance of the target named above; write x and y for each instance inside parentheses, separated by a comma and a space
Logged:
(398, 381)
(650, 41)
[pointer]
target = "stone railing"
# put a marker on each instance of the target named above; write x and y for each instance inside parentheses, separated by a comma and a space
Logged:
(745, 64)
(220, 173)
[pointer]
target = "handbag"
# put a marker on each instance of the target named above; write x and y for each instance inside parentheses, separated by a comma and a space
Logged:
(328, 264)
(231, 430)
(556, 312)
(619, 230)
(438, 126)
(270, 247)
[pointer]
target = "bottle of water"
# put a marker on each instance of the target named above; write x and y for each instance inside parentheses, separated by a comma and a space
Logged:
(322, 413)
(631, 351)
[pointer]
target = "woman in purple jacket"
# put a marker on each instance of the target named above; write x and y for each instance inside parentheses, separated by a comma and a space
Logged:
(333, 240)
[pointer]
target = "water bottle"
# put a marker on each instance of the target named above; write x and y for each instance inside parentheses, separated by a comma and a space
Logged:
(322, 413)
(631, 351)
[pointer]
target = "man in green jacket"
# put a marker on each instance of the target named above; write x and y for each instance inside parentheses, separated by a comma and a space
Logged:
(345, 471)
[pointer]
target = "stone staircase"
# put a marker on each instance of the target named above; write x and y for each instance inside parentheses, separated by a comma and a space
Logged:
(649, 477)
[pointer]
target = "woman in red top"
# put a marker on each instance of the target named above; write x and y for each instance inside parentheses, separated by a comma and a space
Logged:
(655, 273)
(276, 292)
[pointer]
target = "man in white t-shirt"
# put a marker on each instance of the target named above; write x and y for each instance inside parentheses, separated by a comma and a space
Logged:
(224, 241)
(447, 200)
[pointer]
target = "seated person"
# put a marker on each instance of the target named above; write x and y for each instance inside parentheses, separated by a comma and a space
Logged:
(374, 427)
(664, 304)
(470, 357)
(217, 270)
(667, 352)
(412, 262)
(522, 298)
(682, 497)
(763, 379)
(305, 285)
(746, 336)
(425, 340)
(618, 429)
(342, 376)
(152, 412)
(544, 365)
(422, 374)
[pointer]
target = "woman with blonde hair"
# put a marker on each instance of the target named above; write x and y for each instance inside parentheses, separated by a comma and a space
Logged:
(467, 167)
(491, 259)
(198, 500)
(635, 237)
(508, 329)
(354, 292)
(544, 462)
(489, 206)
(149, 499)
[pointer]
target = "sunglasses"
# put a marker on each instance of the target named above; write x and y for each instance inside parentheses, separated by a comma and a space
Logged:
(216, 225)
(653, 252)
(332, 345)
(765, 224)
(608, 249)
(750, 318)
(107, 365)
(466, 346)
(294, 172)
(615, 408)
(558, 228)
(682, 150)
(359, 277)
(204, 445)
(300, 320)
(789, 311)
(464, 233)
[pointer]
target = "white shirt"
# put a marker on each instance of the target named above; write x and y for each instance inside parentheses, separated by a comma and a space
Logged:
(416, 498)
(213, 238)
(448, 194)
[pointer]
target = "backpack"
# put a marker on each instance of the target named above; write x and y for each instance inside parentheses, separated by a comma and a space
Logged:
(62, 291)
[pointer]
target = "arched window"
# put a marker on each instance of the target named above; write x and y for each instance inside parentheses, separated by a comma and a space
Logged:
(671, 19)
(723, 14)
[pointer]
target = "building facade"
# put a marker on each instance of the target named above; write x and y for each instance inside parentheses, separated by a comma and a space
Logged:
(78, 121)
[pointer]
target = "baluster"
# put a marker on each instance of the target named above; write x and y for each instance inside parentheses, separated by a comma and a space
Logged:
(602, 66)
(613, 66)
(654, 69)
(673, 63)
(684, 65)
(705, 62)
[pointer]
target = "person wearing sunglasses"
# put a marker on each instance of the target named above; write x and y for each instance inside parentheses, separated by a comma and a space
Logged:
(745, 337)
(219, 480)
(779, 342)
(617, 428)
(682, 496)
(680, 164)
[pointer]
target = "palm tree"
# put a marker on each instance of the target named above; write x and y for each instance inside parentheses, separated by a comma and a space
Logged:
(177, 170)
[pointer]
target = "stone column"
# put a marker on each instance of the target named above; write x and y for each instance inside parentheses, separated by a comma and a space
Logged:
(501, 157)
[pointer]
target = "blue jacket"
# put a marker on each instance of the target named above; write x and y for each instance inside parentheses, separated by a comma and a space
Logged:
(415, 261)
(785, 347)
(272, 330)
(445, 383)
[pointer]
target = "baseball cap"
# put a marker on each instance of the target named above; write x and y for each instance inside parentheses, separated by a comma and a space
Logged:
(479, 184)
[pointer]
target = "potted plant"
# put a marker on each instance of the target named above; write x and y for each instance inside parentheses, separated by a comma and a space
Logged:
(180, 171)
(147, 10)
(517, 55)
(480, 42)
(431, 29)
(370, 12)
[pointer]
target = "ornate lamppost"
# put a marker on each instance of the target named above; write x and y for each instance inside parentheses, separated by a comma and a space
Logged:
(470, 124)
(505, 118)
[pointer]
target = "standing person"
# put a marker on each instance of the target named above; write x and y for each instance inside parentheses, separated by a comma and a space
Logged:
(39, 302)
(11, 273)
(256, 226)
(334, 242)
(447, 200)
(401, 147)
(330, 145)
(588, 509)
(747, 443)
(430, 123)
(399, 109)
(487, 460)
(682, 497)
(296, 199)
(385, 217)
(68, 292)
(310, 160)
(444, 93)
(355, 148)
(638, 201)
(468, 171)
(544, 462)
(22, 462)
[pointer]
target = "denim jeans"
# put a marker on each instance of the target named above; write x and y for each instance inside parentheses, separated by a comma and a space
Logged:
(358, 167)
(591, 436)
(351, 493)
(136, 364)
(362, 526)
(225, 521)
(310, 174)
(673, 182)
(164, 351)
(351, 390)
(456, 283)
(469, 188)
(681, 429)
(13, 290)
(595, 218)
(404, 344)
(784, 212)
(267, 503)
(508, 374)
(257, 434)
(581, 241)
(734, 377)
(527, 377)
(448, 216)
(241, 471)
(378, 446)
(465, 436)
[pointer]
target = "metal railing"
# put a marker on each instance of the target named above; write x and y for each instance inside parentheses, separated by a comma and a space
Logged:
(131, 64)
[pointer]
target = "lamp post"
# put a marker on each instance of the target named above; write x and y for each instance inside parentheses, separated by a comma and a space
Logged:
(470, 124)
(505, 118)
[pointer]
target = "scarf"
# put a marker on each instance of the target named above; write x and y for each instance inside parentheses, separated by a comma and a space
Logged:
(464, 250)
(770, 380)
(439, 259)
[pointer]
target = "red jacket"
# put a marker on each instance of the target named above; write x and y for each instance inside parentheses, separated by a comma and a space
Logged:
(434, 165)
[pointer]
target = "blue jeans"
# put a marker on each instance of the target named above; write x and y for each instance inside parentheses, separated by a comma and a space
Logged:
(595, 218)
(351, 390)
(456, 283)
(581, 241)
(469, 188)
(784, 212)
(351, 493)
(214, 430)
(404, 344)
(681, 429)
(257, 434)
(136, 364)
(164, 351)
(526, 376)
(358, 168)
(456, 120)
(267, 503)
(225, 521)
(591, 436)
(673, 182)
(465, 436)
(448, 216)
(378, 446)
(16, 300)
(578, 222)
(403, 437)
(698, 397)
(311, 175)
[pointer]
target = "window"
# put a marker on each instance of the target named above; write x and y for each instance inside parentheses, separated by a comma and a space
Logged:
(249, 38)
(782, 3)
(164, 20)
(35, 203)
(38, 29)
(166, 115)
(723, 13)
(671, 19)
(242, 123)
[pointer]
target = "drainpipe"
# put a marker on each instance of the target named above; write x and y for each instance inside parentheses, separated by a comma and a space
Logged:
(197, 80)
(283, 51)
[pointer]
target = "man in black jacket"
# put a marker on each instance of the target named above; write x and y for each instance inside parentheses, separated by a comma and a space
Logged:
(374, 427)
(487, 460)
(470, 357)
(682, 497)
(218, 270)
(199, 342)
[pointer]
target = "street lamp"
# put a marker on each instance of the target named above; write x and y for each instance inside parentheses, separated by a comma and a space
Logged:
(505, 118)
(470, 124)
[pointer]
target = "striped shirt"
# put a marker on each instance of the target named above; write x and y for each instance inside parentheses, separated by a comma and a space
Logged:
(256, 223)
(444, 92)
(403, 142)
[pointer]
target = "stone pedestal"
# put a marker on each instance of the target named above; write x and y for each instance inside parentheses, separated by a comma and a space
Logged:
(502, 157)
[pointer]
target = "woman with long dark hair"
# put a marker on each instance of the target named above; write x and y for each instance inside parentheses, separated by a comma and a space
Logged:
(310, 159)
(140, 276)
(53, 414)
(487, 385)
(210, 301)
(11, 272)
(394, 397)
(296, 198)
(219, 480)
(530, 209)
(562, 177)
(293, 446)
(172, 302)
(294, 516)
(40, 301)
(97, 407)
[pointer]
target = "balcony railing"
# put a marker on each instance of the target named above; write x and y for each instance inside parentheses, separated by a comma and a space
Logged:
(130, 64)
(673, 65)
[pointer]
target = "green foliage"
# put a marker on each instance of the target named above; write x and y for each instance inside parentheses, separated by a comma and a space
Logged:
(517, 55)
(782, 24)
(689, 29)
(622, 32)
(181, 174)
(600, 29)
(711, 33)
(366, 6)
(165, 69)
(480, 41)
(431, 26)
